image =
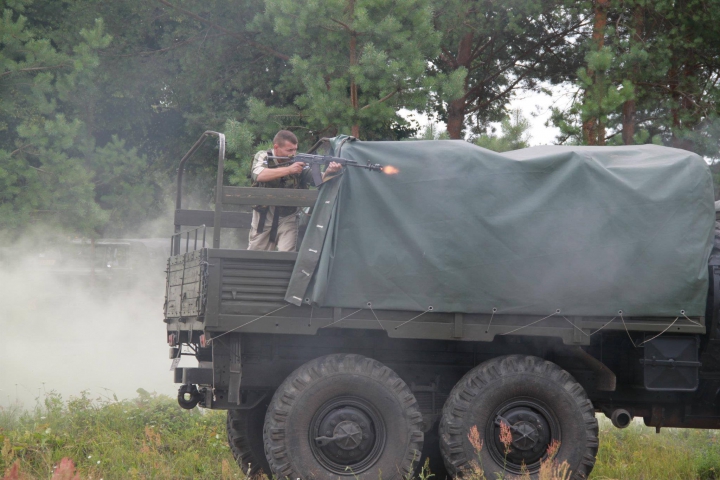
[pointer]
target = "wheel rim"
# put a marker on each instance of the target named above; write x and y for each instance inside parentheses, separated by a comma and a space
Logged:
(347, 435)
(533, 427)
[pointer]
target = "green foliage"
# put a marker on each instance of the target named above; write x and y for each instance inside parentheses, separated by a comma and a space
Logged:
(240, 142)
(497, 48)
(354, 63)
(100, 100)
(151, 437)
(638, 452)
(148, 437)
(649, 76)
(433, 132)
(51, 170)
(514, 135)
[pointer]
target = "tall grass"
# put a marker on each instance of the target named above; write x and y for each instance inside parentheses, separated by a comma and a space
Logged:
(150, 437)
(146, 438)
(638, 453)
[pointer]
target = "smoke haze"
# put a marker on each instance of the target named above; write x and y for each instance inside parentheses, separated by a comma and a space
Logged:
(59, 332)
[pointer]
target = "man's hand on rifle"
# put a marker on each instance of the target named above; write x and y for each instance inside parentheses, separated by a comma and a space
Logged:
(333, 167)
(296, 168)
(270, 174)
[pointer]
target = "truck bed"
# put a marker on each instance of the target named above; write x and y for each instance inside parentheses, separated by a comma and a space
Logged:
(221, 290)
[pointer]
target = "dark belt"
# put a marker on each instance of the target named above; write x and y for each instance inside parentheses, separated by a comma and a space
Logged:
(279, 211)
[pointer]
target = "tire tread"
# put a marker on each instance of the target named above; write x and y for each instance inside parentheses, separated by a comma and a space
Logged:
(329, 365)
(458, 405)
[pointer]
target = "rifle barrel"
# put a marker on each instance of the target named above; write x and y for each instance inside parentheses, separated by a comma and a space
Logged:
(307, 158)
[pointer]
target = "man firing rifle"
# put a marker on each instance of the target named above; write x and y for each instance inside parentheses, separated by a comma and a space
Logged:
(276, 227)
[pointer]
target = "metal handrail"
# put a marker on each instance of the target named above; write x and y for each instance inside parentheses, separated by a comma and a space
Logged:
(218, 204)
(176, 238)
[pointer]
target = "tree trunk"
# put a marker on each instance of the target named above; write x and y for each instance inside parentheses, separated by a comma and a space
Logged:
(456, 109)
(456, 118)
(674, 83)
(593, 131)
(684, 99)
(630, 106)
(589, 131)
(628, 131)
(353, 62)
(353, 85)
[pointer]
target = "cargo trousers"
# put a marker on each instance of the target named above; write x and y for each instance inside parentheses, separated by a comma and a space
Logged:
(287, 233)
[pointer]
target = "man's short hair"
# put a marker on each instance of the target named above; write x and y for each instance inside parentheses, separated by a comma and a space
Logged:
(285, 136)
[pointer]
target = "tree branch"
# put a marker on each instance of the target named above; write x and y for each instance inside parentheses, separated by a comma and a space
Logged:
(237, 35)
(341, 24)
(41, 170)
(31, 69)
(153, 52)
(382, 100)
(19, 149)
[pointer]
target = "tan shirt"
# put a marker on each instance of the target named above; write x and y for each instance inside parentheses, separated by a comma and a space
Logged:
(261, 162)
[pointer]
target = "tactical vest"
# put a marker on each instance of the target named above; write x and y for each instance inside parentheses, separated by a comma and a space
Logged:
(289, 181)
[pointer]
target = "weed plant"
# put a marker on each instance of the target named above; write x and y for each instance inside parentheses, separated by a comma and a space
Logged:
(150, 437)
(638, 453)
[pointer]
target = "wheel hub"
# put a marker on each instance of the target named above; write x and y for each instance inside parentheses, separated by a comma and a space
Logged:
(532, 428)
(345, 435)
(525, 435)
(348, 435)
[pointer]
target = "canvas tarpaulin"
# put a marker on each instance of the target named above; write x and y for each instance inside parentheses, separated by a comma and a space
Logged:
(586, 230)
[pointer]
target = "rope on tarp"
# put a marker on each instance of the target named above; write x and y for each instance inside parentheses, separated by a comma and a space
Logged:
(429, 309)
(682, 313)
(248, 323)
(620, 313)
(491, 319)
(533, 323)
(369, 304)
(649, 339)
(575, 326)
(346, 316)
(608, 323)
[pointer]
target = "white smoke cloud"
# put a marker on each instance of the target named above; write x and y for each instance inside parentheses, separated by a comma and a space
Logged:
(59, 332)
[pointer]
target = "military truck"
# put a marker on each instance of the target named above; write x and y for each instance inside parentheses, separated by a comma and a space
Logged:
(468, 294)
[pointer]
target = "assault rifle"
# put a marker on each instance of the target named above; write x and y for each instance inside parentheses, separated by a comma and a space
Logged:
(313, 162)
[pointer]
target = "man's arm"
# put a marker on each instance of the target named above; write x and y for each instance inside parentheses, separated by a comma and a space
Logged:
(332, 168)
(270, 174)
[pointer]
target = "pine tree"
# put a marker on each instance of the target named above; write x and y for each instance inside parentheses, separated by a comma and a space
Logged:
(51, 169)
(355, 62)
(651, 75)
(498, 47)
(514, 128)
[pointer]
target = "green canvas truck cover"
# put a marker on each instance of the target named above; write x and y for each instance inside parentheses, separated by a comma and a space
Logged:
(586, 230)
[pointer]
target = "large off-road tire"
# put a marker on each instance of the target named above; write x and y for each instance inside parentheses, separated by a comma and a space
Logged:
(344, 416)
(245, 437)
(540, 401)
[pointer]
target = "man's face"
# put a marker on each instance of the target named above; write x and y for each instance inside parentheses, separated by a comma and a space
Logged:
(285, 149)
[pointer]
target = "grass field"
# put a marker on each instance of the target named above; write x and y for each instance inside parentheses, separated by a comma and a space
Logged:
(150, 437)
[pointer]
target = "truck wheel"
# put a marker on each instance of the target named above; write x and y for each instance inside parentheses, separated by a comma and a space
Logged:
(245, 437)
(538, 400)
(343, 415)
